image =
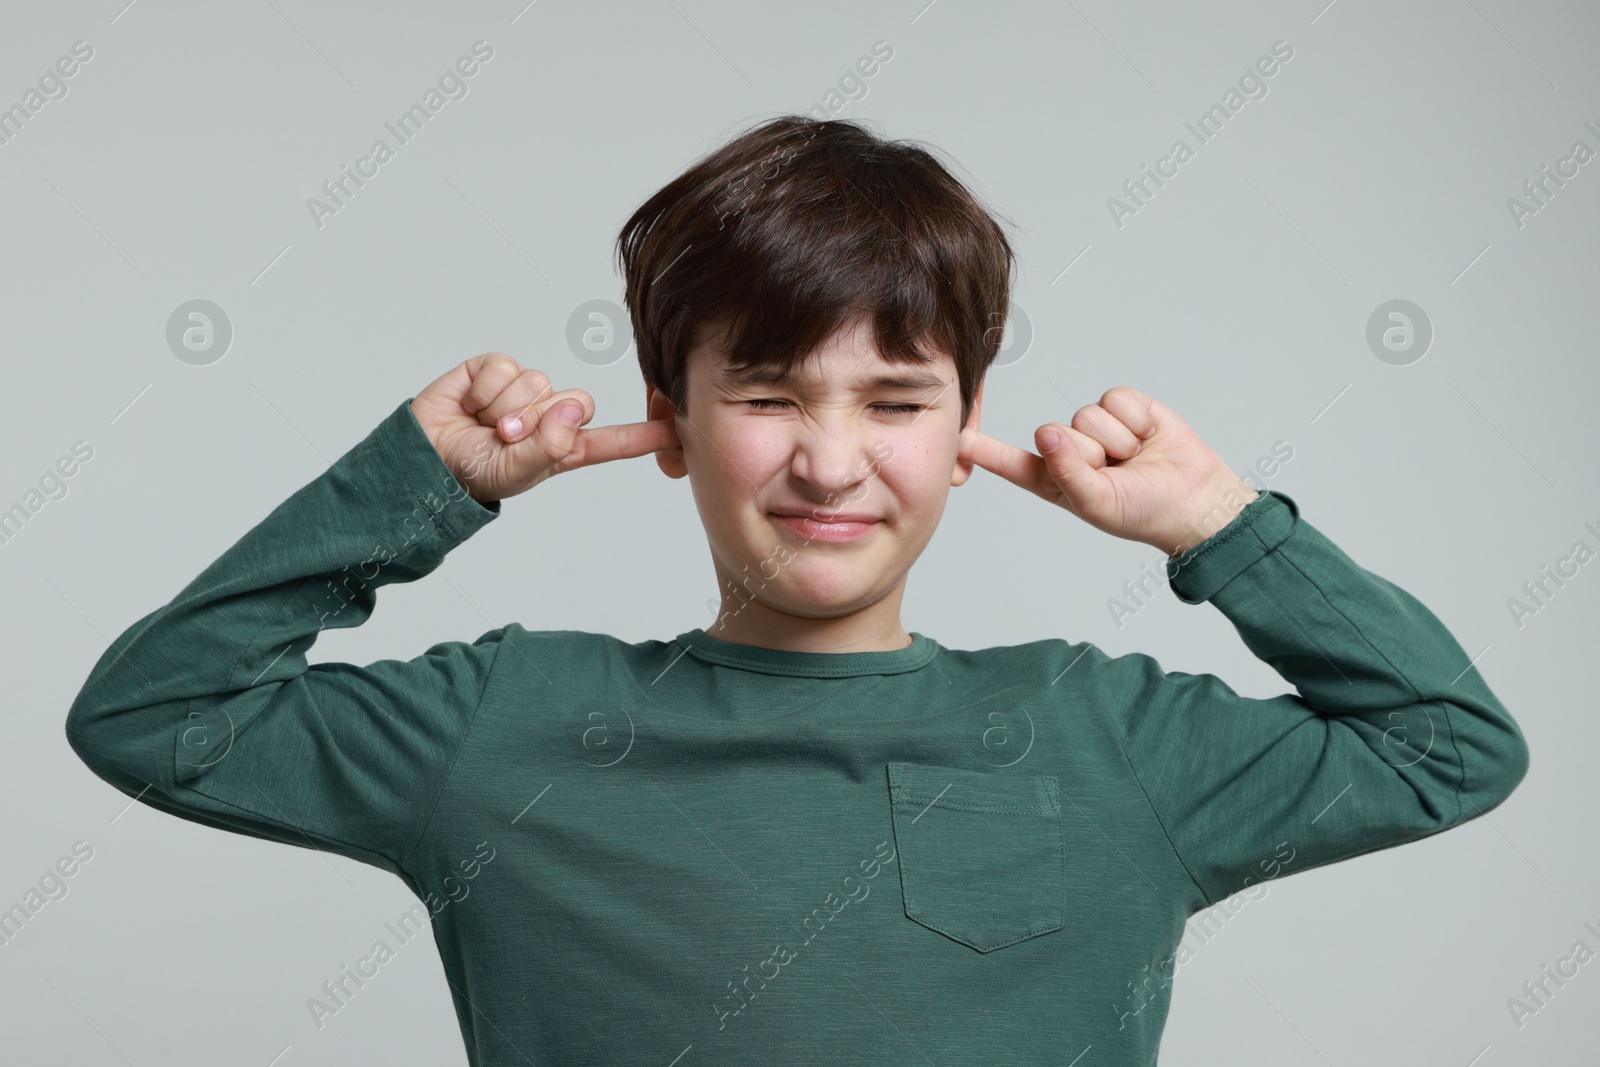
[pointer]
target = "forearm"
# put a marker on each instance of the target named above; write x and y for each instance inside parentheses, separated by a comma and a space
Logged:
(1389, 736)
(380, 514)
(1357, 646)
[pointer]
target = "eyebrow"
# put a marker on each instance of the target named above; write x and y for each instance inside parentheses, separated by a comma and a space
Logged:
(907, 379)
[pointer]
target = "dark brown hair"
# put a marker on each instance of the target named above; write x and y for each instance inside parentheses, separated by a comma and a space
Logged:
(799, 227)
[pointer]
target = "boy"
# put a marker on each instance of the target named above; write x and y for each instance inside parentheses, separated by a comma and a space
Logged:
(804, 835)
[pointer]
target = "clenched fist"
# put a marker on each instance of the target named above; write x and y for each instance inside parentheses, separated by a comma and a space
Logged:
(501, 431)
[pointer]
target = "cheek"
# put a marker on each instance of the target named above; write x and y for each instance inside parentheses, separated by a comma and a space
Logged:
(761, 443)
(729, 461)
(747, 453)
(918, 471)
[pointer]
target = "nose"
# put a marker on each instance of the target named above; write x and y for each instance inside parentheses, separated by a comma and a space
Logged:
(834, 454)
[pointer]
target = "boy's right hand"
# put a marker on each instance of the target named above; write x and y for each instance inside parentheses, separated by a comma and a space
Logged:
(500, 429)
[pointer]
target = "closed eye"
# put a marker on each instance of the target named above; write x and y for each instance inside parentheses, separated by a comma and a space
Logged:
(771, 404)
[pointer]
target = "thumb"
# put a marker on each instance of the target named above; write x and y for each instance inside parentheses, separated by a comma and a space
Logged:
(1084, 487)
(551, 441)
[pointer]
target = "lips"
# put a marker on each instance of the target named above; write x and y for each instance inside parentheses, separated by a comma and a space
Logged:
(823, 515)
(840, 526)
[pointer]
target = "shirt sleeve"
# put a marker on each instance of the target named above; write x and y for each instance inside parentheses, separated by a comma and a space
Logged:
(1392, 735)
(207, 709)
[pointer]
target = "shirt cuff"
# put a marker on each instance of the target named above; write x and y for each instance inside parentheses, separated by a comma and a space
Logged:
(1260, 526)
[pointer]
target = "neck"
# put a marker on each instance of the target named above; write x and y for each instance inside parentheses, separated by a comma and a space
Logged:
(873, 628)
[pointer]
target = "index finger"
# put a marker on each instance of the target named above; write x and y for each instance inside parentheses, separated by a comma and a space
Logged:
(606, 443)
(1016, 465)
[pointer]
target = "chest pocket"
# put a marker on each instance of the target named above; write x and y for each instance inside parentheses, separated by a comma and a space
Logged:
(982, 856)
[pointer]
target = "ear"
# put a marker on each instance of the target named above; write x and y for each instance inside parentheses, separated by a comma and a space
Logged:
(657, 406)
(963, 467)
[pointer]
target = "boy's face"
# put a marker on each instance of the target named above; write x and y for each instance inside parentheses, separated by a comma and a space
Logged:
(849, 437)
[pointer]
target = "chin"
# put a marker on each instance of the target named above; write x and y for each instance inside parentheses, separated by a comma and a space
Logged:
(805, 595)
(836, 591)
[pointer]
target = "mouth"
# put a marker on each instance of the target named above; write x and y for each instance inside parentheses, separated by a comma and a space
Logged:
(841, 527)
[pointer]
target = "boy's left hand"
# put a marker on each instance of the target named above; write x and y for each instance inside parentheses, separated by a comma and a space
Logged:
(1127, 465)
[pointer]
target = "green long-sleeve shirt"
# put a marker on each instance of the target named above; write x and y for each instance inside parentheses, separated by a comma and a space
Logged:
(729, 854)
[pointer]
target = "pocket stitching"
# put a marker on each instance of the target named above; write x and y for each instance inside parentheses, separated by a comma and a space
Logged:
(974, 805)
(1052, 807)
(1033, 932)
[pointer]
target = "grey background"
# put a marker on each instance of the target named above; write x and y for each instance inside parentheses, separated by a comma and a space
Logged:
(1377, 167)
